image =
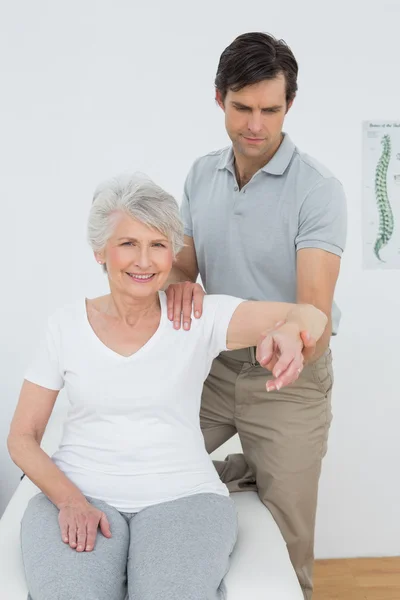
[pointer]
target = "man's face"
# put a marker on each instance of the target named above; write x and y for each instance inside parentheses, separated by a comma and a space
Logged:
(254, 117)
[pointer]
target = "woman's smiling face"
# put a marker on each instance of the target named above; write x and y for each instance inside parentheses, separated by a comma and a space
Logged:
(138, 258)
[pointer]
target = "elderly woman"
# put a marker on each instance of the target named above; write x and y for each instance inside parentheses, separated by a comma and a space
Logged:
(131, 502)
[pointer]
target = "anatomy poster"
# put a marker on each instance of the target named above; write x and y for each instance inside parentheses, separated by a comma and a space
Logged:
(381, 194)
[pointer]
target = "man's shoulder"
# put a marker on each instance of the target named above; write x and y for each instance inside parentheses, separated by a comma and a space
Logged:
(316, 186)
(210, 161)
(312, 170)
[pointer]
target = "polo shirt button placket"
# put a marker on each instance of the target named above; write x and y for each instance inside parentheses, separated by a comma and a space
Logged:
(236, 211)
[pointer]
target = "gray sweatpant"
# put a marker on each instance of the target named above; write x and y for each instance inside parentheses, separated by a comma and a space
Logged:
(176, 550)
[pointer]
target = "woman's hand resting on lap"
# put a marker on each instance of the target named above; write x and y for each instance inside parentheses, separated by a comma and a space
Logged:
(79, 523)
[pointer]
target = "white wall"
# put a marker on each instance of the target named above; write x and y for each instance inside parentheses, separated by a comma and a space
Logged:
(93, 88)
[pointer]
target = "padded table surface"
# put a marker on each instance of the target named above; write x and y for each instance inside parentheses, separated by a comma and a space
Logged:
(260, 566)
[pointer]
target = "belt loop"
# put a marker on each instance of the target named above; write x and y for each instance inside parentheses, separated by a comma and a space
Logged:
(252, 352)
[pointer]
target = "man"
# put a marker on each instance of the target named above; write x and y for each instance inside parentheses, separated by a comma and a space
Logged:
(264, 221)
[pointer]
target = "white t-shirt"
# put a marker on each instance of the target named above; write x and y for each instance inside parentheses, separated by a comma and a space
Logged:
(132, 436)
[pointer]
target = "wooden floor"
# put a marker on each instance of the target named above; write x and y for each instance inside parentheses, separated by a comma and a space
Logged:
(357, 579)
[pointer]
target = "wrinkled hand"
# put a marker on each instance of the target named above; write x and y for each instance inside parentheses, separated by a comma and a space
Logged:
(79, 524)
(181, 297)
(283, 351)
(309, 343)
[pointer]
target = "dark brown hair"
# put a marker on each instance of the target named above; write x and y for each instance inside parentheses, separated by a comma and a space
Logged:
(254, 57)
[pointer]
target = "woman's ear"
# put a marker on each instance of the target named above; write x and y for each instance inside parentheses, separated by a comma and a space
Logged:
(99, 257)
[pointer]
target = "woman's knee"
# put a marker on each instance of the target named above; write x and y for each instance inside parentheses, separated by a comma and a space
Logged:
(39, 520)
(94, 592)
(38, 505)
(55, 570)
(182, 547)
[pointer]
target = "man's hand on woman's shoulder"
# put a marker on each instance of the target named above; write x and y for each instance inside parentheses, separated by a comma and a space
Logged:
(181, 298)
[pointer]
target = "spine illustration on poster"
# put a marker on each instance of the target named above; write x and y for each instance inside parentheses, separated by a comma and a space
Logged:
(386, 220)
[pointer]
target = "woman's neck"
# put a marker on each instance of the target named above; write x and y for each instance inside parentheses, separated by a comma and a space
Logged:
(130, 310)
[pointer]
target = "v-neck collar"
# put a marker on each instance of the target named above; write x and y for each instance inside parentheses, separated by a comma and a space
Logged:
(148, 345)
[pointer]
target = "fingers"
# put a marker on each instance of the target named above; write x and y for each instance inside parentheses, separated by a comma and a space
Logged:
(305, 338)
(92, 525)
(271, 364)
(177, 307)
(291, 374)
(105, 526)
(170, 293)
(91, 532)
(259, 349)
(283, 363)
(308, 353)
(198, 298)
(81, 534)
(187, 300)
(64, 531)
(309, 345)
(265, 350)
(182, 298)
(72, 534)
(289, 362)
(279, 372)
(79, 529)
(287, 376)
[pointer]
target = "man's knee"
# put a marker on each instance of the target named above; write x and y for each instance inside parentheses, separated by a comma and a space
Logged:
(236, 473)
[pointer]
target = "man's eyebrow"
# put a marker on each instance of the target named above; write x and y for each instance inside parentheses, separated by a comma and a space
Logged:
(240, 105)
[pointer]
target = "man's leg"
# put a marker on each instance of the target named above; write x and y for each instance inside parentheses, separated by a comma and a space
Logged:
(217, 404)
(217, 419)
(284, 438)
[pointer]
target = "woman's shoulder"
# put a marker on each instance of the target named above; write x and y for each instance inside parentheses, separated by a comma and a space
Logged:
(72, 310)
(214, 306)
(214, 301)
(218, 309)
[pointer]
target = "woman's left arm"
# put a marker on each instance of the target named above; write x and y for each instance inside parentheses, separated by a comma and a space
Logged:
(252, 319)
(282, 347)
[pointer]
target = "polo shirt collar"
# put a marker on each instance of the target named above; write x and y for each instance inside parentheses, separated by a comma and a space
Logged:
(276, 166)
(226, 160)
(282, 157)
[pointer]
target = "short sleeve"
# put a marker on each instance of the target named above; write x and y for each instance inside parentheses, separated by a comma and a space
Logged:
(185, 207)
(217, 314)
(323, 218)
(45, 368)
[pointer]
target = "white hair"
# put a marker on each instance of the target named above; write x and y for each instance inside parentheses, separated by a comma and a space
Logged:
(139, 197)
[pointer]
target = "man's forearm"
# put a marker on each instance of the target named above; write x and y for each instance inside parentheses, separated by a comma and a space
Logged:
(321, 328)
(323, 343)
(308, 318)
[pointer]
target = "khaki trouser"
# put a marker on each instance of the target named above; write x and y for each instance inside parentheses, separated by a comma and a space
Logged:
(284, 438)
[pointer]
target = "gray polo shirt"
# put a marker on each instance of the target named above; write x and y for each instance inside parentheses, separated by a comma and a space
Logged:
(246, 240)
